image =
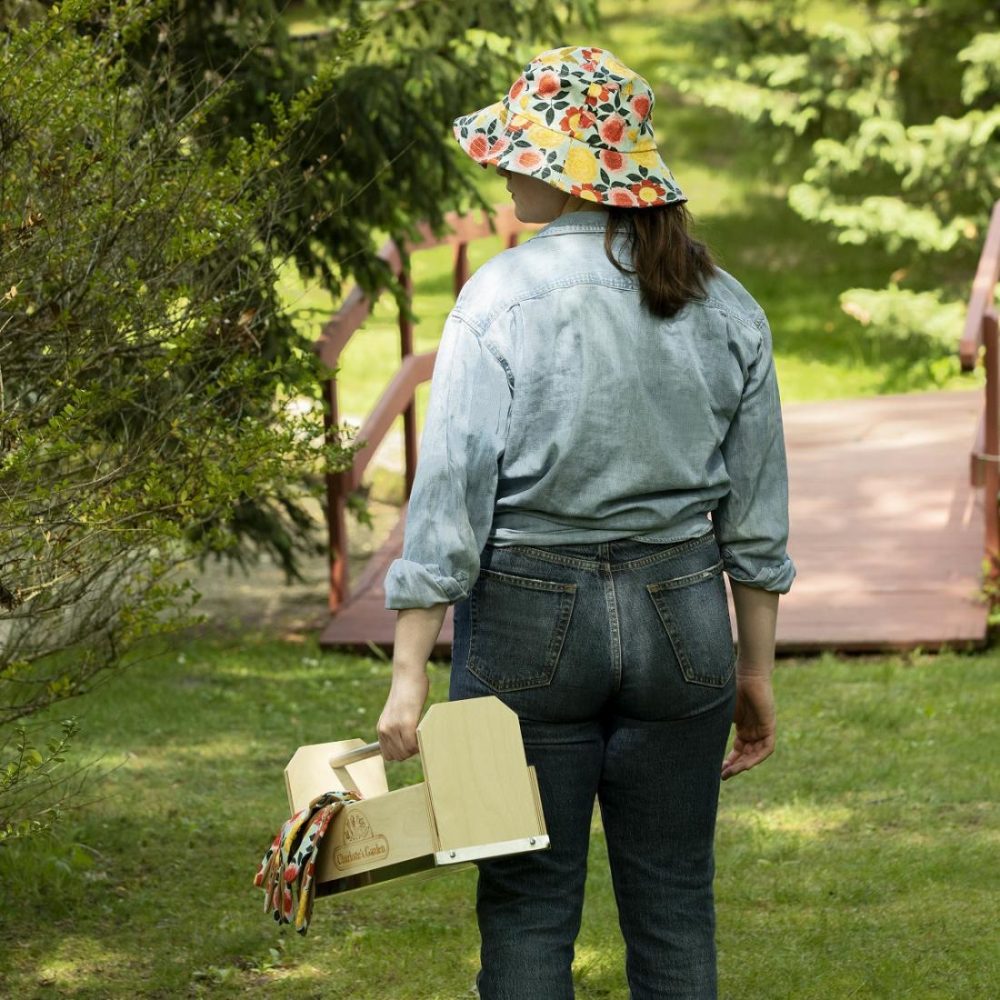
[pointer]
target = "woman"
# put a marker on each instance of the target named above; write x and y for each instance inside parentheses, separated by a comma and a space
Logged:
(603, 440)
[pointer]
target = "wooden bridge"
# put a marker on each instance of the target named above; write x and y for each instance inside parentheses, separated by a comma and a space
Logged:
(893, 499)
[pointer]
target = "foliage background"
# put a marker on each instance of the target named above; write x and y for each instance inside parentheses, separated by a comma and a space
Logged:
(890, 117)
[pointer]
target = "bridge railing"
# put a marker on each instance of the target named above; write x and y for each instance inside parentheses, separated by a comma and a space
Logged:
(980, 339)
(398, 397)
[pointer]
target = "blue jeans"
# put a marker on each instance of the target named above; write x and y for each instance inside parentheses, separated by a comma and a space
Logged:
(619, 661)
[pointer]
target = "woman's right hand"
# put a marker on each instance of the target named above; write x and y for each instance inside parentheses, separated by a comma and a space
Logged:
(754, 719)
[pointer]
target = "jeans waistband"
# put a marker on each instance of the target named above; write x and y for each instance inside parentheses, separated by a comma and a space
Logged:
(623, 552)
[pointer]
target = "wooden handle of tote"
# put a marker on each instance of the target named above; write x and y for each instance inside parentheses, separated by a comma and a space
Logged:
(353, 756)
(358, 753)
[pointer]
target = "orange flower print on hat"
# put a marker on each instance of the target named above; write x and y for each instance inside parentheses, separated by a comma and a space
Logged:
(479, 148)
(623, 198)
(641, 105)
(586, 191)
(612, 129)
(580, 120)
(611, 160)
(648, 191)
(598, 93)
(528, 159)
(548, 85)
(576, 120)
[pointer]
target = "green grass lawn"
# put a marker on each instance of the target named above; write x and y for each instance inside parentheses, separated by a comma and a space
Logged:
(860, 861)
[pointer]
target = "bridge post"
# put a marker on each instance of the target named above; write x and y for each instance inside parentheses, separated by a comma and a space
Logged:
(991, 477)
(410, 413)
(336, 507)
(461, 270)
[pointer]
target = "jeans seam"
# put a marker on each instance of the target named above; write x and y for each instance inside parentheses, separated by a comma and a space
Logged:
(651, 560)
(528, 582)
(615, 634)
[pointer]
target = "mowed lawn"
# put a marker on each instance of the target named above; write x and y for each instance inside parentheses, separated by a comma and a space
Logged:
(860, 861)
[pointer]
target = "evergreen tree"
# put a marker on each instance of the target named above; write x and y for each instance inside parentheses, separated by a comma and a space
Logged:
(897, 115)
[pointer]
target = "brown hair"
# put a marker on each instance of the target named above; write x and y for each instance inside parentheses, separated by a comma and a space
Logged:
(672, 266)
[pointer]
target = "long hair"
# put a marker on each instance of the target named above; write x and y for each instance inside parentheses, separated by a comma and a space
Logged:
(672, 266)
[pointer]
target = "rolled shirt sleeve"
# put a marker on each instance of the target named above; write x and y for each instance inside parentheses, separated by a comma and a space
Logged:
(451, 507)
(751, 522)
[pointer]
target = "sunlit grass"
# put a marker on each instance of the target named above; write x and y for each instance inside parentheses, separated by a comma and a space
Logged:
(857, 862)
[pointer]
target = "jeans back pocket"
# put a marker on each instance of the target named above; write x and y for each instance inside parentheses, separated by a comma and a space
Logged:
(517, 628)
(695, 616)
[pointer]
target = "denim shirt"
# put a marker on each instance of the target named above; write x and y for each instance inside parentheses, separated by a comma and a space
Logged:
(563, 412)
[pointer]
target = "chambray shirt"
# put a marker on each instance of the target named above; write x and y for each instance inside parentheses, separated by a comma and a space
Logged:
(563, 412)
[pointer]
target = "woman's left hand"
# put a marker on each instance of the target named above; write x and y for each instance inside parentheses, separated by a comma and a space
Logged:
(397, 725)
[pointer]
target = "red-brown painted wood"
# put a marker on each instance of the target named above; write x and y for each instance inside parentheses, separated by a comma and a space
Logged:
(980, 340)
(989, 458)
(983, 291)
(398, 398)
(415, 368)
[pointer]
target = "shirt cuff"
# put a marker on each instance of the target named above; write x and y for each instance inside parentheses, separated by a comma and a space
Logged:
(777, 578)
(414, 585)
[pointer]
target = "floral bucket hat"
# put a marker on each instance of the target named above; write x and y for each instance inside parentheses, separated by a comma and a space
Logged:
(579, 119)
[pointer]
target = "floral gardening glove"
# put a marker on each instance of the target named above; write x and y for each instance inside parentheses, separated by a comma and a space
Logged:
(288, 869)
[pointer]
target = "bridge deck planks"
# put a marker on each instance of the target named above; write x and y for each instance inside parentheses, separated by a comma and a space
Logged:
(886, 532)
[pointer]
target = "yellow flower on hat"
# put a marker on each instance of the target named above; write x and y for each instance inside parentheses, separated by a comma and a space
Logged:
(544, 138)
(648, 158)
(581, 164)
(616, 67)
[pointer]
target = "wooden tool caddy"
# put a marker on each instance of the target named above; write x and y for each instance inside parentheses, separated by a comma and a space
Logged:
(479, 799)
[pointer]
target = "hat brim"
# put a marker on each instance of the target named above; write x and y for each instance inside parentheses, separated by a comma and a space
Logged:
(500, 137)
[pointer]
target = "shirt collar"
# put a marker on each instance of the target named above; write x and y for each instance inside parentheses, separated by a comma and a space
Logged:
(583, 221)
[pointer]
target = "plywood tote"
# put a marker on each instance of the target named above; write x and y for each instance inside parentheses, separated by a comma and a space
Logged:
(375, 833)
(309, 774)
(478, 799)
(477, 776)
